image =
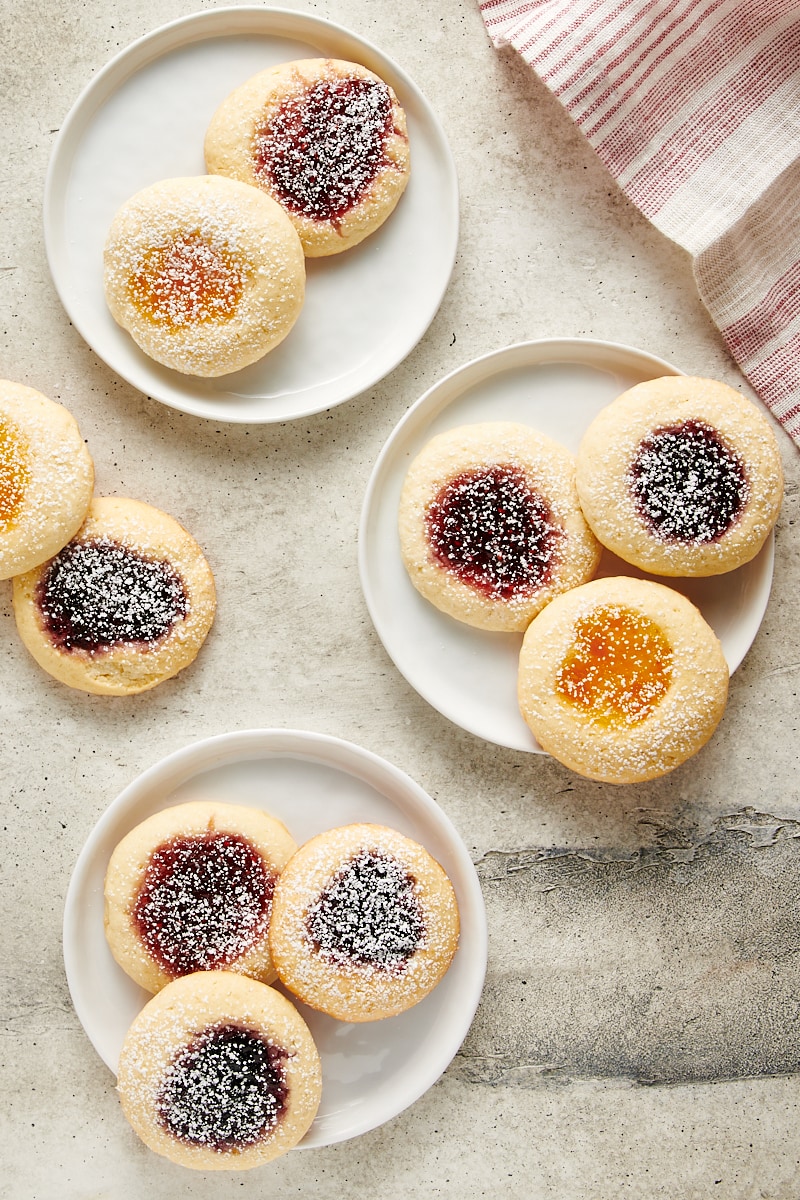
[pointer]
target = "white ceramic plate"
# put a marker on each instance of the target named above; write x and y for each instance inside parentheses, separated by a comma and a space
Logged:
(311, 782)
(468, 675)
(143, 118)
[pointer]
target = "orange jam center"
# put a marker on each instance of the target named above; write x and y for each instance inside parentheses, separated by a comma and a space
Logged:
(14, 473)
(188, 280)
(618, 667)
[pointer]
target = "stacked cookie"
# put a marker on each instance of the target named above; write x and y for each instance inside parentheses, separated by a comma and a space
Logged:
(621, 679)
(111, 596)
(306, 159)
(207, 905)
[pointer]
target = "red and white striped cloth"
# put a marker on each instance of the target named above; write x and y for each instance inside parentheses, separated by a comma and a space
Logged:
(694, 107)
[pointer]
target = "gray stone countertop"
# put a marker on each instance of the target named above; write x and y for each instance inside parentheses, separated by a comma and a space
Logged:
(638, 1032)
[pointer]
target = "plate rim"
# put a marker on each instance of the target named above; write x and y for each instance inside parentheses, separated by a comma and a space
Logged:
(532, 352)
(206, 24)
(204, 754)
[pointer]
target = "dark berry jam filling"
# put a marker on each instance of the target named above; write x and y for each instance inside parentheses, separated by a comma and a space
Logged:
(225, 1090)
(368, 915)
(490, 529)
(97, 594)
(325, 146)
(688, 485)
(204, 902)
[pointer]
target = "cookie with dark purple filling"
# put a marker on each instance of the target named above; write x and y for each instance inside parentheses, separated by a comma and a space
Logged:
(325, 138)
(364, 923)
(490, 525)
(220, 1073)
(123, 606)
(190, 889)
(681, 476)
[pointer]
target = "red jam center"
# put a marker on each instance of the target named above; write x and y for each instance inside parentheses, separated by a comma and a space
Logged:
(618, 668)
(490, 529)
(368, 914)
(225, 1090)
(323, 148)
(14, 473)
(187, 281)
(687, 483)
(98, 593)
(204, 902)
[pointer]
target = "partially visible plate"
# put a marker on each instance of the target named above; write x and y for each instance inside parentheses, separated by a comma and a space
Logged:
(311, 782)
(143, 118)
(558, 386)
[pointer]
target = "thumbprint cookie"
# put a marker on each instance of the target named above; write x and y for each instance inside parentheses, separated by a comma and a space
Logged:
(219, 1073)
(490, 524)
(325, 138)
(681, 476)
(126, 604)
(206, 274)
(364, 923)
(190, 889)
(622, 680)
(46, 478)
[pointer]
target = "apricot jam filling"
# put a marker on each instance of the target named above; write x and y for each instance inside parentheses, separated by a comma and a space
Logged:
(188, 280)
(490, 529)
(325, 146)
(14, 473)
(619, 666)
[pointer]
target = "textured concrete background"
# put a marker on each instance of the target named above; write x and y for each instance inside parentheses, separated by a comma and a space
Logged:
(638, 1035)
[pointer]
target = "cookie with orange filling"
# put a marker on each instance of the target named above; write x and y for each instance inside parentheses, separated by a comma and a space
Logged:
(206, 274)
(622, 679)
(46, 478)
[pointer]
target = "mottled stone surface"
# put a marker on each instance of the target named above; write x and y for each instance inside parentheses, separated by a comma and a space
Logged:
(637, 1036)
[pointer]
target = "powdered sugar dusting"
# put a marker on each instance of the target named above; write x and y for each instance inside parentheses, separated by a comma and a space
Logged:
(494, 531)
(687, 483)
(204, 901)
(98, 593)
(225, 1089)
(188, 279)
(368, 914)
(15, 472)
(325, 145)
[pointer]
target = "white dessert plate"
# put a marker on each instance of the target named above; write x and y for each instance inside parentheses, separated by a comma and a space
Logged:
(558, 386)
(143, 118)
(371, 1071)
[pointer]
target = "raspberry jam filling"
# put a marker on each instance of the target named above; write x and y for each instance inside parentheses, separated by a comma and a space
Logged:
(188, 280)
(225, 1090)
(204, 902)
(490, 529)
(687, 483)
(323, 148)
(14, 473)
(98, 593)
(618, 668)
(368, 915)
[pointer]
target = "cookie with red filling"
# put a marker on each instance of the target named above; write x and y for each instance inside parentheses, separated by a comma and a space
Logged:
(325, 138)
(681, 476)
(490, 524)
(126, 604)
(219, 1073)
(190, 889)
(364, 923)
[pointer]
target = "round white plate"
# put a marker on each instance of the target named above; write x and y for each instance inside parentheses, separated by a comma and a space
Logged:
(143, 118)
(559, 386)
(311, 782)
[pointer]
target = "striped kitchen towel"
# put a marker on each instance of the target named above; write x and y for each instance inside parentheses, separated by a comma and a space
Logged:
(694, 107)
